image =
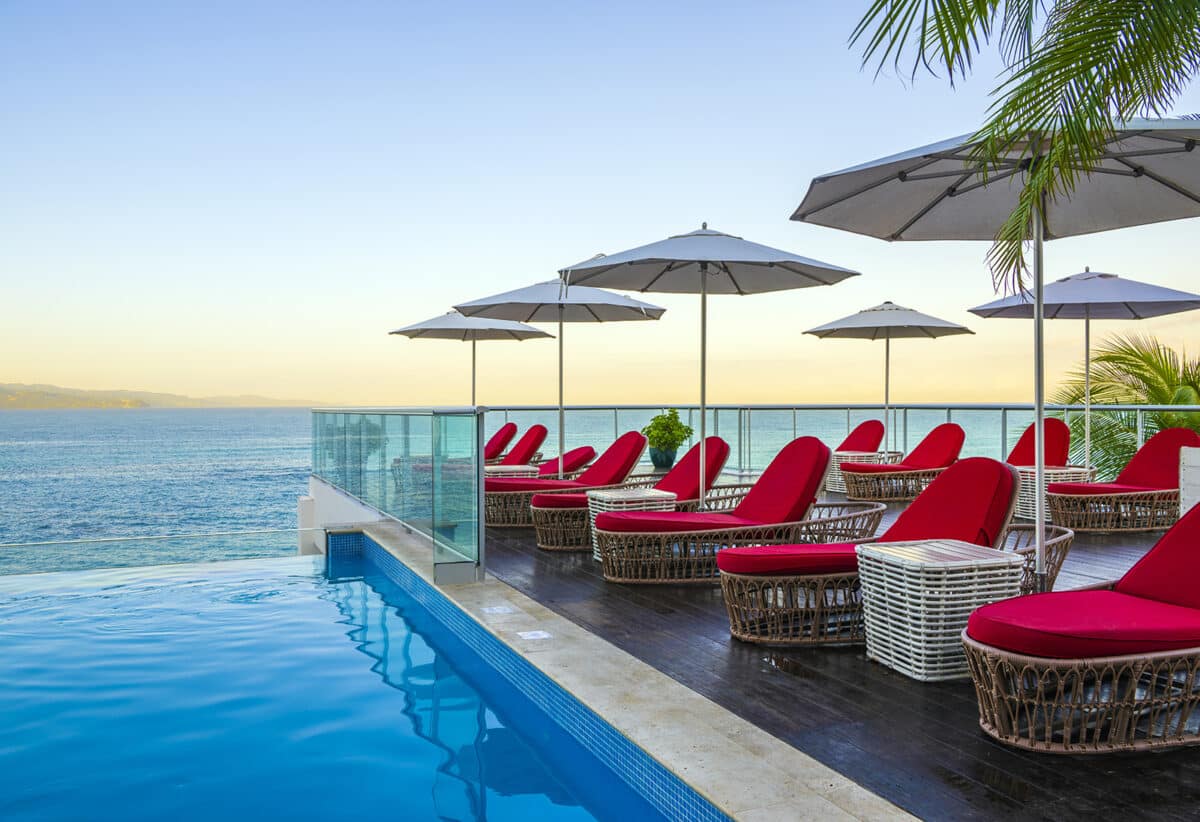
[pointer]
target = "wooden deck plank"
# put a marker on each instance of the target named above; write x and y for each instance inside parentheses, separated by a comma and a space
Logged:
(917, 744)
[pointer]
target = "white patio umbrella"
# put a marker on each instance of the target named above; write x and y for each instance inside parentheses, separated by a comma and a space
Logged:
(1149, 173)
(552, 301)
(454, 326)
(888, 322)
(704, 262)
(1093, 296)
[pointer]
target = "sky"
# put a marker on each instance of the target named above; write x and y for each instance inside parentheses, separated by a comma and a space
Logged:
(215, 198)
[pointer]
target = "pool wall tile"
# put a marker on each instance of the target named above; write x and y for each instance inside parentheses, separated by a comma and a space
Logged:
(673, 797)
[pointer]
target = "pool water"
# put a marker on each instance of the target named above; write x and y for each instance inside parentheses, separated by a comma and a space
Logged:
(268, 689)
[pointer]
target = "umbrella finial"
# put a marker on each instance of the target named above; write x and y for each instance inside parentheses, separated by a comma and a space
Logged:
(1086, 269)
(704, 226)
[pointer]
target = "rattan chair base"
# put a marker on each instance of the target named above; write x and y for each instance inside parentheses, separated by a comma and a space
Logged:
(1087, 706)
(822, 609)
(1020, 539)
(562, 529)
(1143, 511)
(691, 557)
(895, 486)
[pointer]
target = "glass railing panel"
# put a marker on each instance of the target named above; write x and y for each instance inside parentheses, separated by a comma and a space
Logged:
(455, 489)
(827, 424)
(985, 434)
(81, 555)
(915, 423)
(767, 432)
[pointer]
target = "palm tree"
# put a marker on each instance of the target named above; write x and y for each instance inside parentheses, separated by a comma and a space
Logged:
(1126, 371)
(1074, 69)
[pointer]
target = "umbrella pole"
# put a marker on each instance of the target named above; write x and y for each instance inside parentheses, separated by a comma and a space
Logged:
(1039, 399)
(703, 372)
(562, 437)
(887, 390)
(472, 372)
(1087, 387)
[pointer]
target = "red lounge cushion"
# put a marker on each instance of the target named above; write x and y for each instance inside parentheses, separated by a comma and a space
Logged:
(615, 464)
(573, 460)
(798, 560)
(968, 501)
(789, 486)
(495, 446)
(524, 449)
(527, 484)
(940, 447)
(866, 437)
(684, 478)
(875, 468)
(1074, 624)
(559, 501)
(1058, 445)
(1168, 572)
(1156, 464)
(657, 522)
(1094, 489)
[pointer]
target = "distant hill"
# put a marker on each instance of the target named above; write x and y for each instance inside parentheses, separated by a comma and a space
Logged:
(18, 396)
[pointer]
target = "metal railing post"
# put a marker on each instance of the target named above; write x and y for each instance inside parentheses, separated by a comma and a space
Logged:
(1003, 432)
(1141, 428)
(905, 448)
(481, 519)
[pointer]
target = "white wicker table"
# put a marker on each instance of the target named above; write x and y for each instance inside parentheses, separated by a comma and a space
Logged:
(1027, 497)
(917, 597)
(834, 481)
(510, 470)
(625, 499)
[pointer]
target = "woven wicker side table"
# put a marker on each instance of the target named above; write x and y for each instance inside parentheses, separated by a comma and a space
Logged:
(1027, 499)
(834, 480)
(510, 471)
(917, 597)
(625, 499)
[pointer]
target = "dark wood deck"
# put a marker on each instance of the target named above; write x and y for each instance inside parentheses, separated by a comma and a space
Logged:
(917, 744)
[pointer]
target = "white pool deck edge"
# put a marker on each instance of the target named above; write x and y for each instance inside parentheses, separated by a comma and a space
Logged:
(743, 770)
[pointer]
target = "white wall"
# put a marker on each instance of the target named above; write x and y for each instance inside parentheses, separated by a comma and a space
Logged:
(326, 506)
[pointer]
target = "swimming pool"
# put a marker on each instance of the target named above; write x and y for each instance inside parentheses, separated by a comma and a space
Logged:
(269, 688)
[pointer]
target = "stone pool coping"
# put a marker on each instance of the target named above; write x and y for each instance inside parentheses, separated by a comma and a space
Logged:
(737, 766)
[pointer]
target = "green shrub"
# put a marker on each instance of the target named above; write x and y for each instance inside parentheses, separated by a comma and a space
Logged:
(666, 432)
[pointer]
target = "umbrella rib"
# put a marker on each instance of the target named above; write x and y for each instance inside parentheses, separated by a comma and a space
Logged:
(1178, 189)
(593, 313)
(725, 267)
(901, 175)
(926, 209)
(986, 181)
(670, 267)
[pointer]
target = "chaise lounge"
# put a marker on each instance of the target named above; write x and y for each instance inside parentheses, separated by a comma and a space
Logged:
(1058, 448)
(906, 479)
(682, 547)
(494, 447)
(1115, 667)
(861, 445)
(506, 499)
(562, 519)
(810, 594)
(524, 450)
(1143, 497)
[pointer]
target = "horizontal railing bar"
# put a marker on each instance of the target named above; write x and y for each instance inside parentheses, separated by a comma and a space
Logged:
(414, 410)
(159, 537)
(937, 406)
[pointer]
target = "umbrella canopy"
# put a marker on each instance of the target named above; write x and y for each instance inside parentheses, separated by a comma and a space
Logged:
(552, 301)
(1089, 296)
(454, 326)
(1150, 172)
(888, 321)
(701, 262)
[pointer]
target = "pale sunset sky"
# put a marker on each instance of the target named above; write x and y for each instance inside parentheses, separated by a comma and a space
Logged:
(245, 197)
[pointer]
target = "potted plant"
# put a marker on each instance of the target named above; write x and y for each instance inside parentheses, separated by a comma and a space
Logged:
(665, 433)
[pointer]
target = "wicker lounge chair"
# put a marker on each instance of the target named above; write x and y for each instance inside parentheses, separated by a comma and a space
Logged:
(1058, 447)
(573, 462)
(1114, 667)
(506, 500)
(562, 519)
(861, 445)
(1143, 497)
(810, 594)
(682, 547)
(495, 446)
(525, 450)
(906, 479)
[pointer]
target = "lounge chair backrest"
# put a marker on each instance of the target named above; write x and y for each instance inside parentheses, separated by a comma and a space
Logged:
(494, 447)
(573, 460)
(867, 436)
(940, 447)
(524, 449)
(789, 486)
(1169, 572)
(618, 460)
(1156, 464)
(684, 478)
(972, 501)
(1058, 445)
